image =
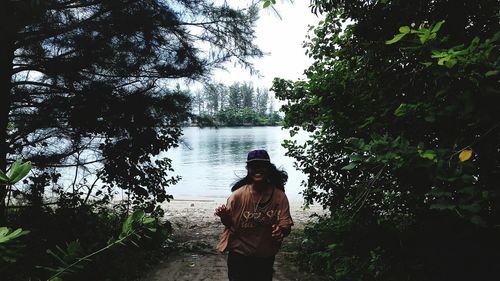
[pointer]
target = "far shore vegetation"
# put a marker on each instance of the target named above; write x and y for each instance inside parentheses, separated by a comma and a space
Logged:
(239, 104)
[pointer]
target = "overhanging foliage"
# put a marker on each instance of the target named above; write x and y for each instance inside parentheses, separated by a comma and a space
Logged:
(403, 107)
(87, 82)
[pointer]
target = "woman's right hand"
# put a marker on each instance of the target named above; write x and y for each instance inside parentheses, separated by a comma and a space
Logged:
(225, 215)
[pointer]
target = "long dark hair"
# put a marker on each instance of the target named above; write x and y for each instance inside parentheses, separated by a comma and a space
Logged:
(275, 176)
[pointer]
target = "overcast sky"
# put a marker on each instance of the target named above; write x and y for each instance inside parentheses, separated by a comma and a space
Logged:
(282, 39)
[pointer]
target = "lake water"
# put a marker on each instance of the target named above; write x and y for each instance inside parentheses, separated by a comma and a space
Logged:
(209, 160)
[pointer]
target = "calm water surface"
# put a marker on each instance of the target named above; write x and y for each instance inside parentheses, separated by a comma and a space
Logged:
(210, 160)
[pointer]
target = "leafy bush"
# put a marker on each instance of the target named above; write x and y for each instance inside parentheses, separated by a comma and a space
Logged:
(402, 107)
(71, 233)
(366, 249)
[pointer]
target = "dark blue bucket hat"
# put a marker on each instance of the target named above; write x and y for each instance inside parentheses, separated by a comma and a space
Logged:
(258, 155)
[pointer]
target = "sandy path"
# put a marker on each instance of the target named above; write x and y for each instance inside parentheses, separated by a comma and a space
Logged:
(197, 231)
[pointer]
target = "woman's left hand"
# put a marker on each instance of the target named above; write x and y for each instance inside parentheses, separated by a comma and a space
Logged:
(225, 215)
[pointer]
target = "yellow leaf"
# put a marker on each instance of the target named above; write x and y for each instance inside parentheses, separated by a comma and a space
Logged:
(465, 154)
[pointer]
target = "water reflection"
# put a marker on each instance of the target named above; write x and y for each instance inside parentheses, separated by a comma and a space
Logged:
(210, 160)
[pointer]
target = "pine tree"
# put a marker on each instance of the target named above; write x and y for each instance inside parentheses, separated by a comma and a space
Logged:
(93, 75)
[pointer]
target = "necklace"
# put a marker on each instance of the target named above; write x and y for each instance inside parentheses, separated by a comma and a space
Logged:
(260, 207)
(257, 205)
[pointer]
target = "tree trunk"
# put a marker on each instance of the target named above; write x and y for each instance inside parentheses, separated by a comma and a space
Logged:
(6, 63)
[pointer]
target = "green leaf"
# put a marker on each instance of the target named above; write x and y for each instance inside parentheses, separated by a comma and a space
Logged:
(266, 4)
(356, 157)
(404, 29)
(473, 208)
(440, 193)
(127, 225)
(57, 257)
(442, 206)
(138, 216)
(450, 62)
(134, 219)
(403, 109)
(7, 235)
(438, 54)
(16, 233)
(428, 154)
(147, 221)
(18, 171)
(24, 169)
(3, 231)
(491, 73)
(400, 111)
(349, 167)
(437, 26)
(14, 169)
(442, 60)
(3, 177)
(424, 36)
(396, 38)
(74, 248)
(474, 42)
(332, 246)
(367, 122)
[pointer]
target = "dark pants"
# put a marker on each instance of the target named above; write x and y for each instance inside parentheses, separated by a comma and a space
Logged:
(243, 268)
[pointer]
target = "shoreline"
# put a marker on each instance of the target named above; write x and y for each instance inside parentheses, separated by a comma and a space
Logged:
(202, 210)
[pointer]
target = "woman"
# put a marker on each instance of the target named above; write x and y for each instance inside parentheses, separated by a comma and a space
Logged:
(256, 219)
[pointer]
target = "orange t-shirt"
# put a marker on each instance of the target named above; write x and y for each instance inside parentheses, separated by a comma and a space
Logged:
(251, 223)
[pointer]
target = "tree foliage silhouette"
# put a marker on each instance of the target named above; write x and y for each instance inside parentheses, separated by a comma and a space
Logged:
(87, 81)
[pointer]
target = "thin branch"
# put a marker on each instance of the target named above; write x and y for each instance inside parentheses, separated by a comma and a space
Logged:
(90, 191)
(367, 191)
(477, 140)
(74, 165)
(41, 84)
(26, 68)
(87, 257)
(205, 23)
(57, 32)
(76, 170)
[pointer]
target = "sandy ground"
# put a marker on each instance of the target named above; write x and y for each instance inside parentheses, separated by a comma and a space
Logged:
(197, 231)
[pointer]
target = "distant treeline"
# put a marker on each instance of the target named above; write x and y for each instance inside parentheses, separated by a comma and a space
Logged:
(239, 104)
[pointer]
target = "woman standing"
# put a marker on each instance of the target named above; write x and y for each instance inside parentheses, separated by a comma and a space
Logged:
(256, 219)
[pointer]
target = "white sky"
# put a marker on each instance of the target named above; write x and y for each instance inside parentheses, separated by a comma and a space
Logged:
(281, 39)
